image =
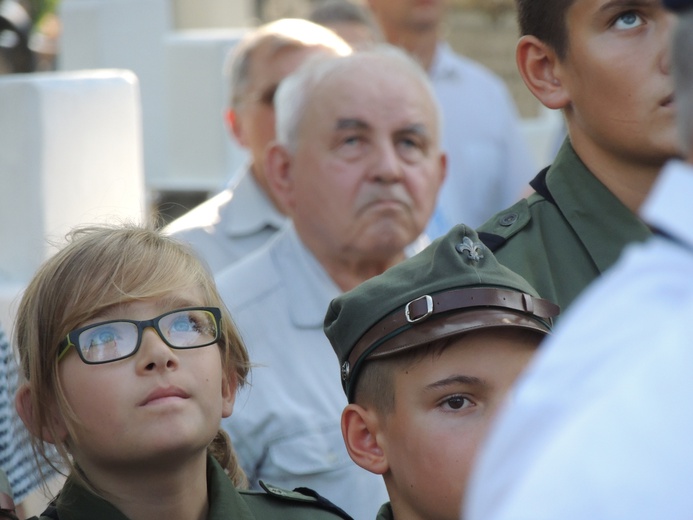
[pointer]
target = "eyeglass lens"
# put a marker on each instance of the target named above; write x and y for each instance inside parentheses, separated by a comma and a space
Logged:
(118, 339)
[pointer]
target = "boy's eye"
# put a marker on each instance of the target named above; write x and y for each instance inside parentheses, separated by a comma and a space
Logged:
(456, 402)
(628, 20)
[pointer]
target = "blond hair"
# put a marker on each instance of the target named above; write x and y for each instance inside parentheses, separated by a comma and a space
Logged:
(101, 267)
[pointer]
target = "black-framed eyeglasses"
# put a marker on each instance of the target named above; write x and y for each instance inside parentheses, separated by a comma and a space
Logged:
(113, 340)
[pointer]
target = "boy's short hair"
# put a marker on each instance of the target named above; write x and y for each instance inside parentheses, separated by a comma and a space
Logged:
(376, 384)
(453, 287)
(545, 19)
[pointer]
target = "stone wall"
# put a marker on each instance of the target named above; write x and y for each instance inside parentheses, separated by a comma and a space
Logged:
(484, 30)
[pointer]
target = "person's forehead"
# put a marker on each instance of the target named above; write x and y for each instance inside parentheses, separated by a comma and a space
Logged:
(365, 90)
(594, 7)
(275, 60)
(475, 358)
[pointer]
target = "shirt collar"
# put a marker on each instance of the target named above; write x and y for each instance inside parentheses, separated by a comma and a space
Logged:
(309, 288)
(595, 214)
(443, 66)
(77, 503)
(250, 210)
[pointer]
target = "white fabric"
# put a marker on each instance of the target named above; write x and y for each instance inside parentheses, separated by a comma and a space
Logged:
(231, 224)
(489, 160)
(286, 422)
(600, 426)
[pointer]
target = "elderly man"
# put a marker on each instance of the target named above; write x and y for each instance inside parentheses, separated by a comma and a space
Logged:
(358, 166)
(601, 424)
(246, 214)
(490, 162)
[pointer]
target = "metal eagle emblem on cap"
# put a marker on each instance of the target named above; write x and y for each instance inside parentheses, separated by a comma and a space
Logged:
(470, 249)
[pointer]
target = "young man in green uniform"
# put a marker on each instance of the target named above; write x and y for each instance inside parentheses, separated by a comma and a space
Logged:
(605, 64)
(428, 351)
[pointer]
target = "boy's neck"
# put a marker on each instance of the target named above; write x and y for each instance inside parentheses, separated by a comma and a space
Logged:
(630, 180)
(143, 494)
(420, 44)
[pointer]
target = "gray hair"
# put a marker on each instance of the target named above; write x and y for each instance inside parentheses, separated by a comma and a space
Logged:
(682, 66)
(280, 34)
(295, 90)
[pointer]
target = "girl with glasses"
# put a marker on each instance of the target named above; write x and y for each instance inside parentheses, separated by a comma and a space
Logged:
(131, 361)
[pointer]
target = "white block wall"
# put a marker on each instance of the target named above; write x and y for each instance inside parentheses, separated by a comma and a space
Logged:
(123, 34)
(71, 154)
(202, 151)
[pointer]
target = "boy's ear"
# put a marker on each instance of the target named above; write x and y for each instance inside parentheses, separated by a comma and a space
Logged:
(25, 409)
(279, 175)
(540, 69)
(361, 430)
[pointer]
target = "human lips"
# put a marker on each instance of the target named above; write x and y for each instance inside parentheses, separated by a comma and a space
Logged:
(667, 101)
(164, 394)
(386, 198)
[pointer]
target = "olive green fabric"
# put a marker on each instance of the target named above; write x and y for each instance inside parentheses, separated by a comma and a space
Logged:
(457, 260)
(559, 246)
(225, 502)
(385, 513)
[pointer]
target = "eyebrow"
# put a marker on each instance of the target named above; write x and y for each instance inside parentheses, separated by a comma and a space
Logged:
(167, 302)
(416, 128)
(177, 302)
(457, 380)
(348, 123)
(616, 5)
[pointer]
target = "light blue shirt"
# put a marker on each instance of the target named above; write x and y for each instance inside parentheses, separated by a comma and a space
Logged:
(286, 423)
(489, 160)
(233, 223)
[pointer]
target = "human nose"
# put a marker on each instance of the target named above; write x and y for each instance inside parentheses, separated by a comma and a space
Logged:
(154, 354)
(669, 25)
(387, 167)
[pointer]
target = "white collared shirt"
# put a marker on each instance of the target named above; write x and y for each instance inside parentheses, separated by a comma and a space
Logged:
(600, 425)
(286, 423)
(489, 160)
(231, 224)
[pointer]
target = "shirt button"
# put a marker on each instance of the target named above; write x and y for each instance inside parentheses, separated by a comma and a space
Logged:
(508, 220)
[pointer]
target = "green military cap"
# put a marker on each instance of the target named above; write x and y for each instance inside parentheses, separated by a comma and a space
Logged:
(455, 285)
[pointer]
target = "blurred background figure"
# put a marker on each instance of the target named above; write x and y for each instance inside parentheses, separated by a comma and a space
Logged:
(17, 461)
(246, 214)
(353, 22)
(489, 161)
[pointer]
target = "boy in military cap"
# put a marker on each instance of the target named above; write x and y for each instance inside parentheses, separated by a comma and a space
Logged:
(428, 351)
(605, 65)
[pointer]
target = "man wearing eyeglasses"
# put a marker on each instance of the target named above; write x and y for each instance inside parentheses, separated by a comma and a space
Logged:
(244, 216)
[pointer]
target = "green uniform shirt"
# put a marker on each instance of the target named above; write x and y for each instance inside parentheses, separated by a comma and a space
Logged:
(566, 234)
(385, 512)
(225, 502)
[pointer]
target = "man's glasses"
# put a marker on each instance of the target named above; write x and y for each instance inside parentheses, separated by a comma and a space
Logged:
(117, 339)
